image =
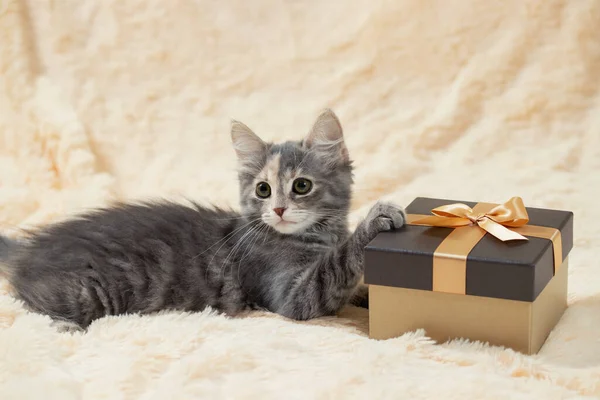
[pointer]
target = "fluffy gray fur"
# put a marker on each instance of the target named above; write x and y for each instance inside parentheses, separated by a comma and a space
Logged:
(143, 258)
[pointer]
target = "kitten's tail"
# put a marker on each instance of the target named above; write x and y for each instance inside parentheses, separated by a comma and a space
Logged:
(7, 246)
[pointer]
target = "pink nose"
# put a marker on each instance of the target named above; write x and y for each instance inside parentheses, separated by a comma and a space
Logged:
(279, 211)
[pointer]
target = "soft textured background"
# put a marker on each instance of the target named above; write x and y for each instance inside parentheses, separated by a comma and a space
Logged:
(473, 100)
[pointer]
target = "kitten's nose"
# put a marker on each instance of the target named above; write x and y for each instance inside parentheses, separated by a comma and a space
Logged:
(279, 211)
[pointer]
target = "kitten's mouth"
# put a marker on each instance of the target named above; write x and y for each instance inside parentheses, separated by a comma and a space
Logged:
(286, 226)
(284, 222)
(293, 224)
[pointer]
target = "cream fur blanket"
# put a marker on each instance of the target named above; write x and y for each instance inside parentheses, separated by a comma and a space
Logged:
(124, 99)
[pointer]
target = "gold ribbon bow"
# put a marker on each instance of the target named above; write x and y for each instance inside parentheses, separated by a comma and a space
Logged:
(496, 222)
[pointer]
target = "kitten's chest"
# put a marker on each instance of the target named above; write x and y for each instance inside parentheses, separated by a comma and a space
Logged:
(270, 268)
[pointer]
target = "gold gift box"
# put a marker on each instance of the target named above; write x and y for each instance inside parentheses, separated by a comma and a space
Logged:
(463, 282)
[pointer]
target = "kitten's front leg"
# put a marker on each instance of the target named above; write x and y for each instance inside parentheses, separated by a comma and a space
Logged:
(381, 218)
(328, 285)
(360, 297)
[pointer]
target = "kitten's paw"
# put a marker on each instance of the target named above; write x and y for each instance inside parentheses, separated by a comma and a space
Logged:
(384, 217)
(360, 298)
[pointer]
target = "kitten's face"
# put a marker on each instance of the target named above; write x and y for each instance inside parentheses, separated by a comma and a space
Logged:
(295, 186)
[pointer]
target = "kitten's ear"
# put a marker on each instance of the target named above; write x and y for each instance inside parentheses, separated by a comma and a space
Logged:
(247, 144)
(326, 138)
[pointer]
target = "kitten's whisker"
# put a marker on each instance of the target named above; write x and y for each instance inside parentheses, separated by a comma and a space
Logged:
(225, 238)
(223, 267)
(235, 248)
(253, 233)
(251, 247)
(267, 227)
(228, 218)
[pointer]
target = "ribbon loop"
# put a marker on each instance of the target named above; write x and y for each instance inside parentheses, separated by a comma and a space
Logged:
(457, 210)
(496, 222)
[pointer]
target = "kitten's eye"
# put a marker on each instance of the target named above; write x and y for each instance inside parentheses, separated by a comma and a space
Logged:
(302, 186)
(263, 190)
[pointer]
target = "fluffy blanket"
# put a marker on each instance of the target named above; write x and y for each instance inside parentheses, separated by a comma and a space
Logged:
(470, 100)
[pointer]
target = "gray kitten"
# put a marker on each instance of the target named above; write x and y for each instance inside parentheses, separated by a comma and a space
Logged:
(289, 251)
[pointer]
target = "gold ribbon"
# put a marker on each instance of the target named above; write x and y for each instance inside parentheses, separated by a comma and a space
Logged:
(495, 221)
(506, 222)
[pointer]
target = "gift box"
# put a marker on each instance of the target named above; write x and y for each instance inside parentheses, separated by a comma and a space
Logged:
(495, 273)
